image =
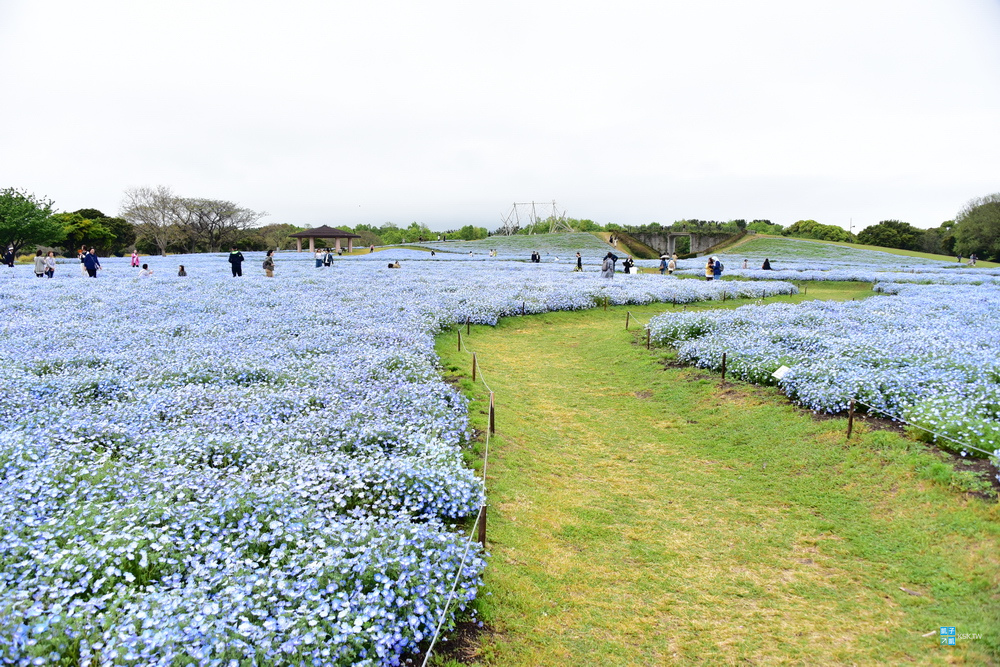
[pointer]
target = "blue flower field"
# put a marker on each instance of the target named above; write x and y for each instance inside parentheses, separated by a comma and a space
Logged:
(248, 471)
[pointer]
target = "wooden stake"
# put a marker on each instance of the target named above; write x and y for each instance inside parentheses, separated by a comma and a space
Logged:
(493, 423)
(473, 366)
(467, 325)
(459, 340)
(723, 366)
(522, 309)
(648, 332)
(627, 316)
(850, 419)
(481, 524)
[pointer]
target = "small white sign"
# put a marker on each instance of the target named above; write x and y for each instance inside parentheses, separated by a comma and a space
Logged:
(781, 372)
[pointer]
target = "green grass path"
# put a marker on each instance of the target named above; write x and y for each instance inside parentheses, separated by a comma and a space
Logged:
(642, 515)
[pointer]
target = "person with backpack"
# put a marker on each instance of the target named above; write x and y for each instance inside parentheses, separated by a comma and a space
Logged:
(236, 262)
(608, 266)
(269, 264)
(717, 268)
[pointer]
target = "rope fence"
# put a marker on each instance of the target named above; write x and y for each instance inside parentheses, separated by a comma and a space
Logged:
(853, 402)
(478, 532)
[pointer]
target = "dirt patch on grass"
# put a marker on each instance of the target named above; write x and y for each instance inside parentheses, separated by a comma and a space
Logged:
(462, 645)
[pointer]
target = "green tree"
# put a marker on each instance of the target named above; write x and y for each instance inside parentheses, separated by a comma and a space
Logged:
(810, 229)
(390, 234)
(122, 232)
(26, 220)
(765, 227)
(82, 232)
(977, 228)
(892, 234)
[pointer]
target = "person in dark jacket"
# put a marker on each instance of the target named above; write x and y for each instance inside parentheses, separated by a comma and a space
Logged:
(8, 258)
(236, 261)
(766, 266)
(91, 263)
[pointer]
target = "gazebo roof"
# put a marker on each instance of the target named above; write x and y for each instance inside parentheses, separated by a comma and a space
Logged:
(324, 232)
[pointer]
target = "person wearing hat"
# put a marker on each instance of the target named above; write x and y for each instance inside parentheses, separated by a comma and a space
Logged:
(716, 268)
(663, 264)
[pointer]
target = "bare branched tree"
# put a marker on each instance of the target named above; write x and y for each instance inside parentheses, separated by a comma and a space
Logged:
(217, 223)
(152, 211)
(166, 219)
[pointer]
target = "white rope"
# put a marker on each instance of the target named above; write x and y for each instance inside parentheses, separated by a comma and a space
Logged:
(470, 541)
(924, 428)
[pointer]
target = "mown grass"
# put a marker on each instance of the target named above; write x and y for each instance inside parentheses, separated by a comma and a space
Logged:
(643, 514)
(783, 247)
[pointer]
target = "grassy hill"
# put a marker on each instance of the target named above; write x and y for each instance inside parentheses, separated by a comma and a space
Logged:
(563, 245)
(784, 249)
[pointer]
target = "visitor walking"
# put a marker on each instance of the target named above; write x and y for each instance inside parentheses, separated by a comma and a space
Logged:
(328, 257)
(50, 264)
(371, 248)
(8, 257)
(82, 256)
(236, 262)
(579, 263)
(91, 264)
(269, 264)
(717, 268)
(663, 264)
(709, 269)
(672, 265)
(745, 264)
(628, 265)
(135, 259)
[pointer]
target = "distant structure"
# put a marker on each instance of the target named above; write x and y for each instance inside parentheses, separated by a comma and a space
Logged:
(528, 214)
(325, 233)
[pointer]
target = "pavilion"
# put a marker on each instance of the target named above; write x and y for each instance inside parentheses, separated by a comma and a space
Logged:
(326, 233)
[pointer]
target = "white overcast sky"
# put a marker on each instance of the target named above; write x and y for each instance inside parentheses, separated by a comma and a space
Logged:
(448, 112)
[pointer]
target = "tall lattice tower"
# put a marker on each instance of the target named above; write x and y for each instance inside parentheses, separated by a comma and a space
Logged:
(530, 214)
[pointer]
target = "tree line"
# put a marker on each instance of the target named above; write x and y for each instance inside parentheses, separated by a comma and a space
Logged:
(154, 220)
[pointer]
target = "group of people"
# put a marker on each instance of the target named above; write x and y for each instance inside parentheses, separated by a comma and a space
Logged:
(324, 256)
(536, 257)
(668, 264)
(45, 266)
(713, 268)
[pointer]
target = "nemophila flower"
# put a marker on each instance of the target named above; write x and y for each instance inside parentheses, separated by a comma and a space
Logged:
(203, 470)
(927, 354)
